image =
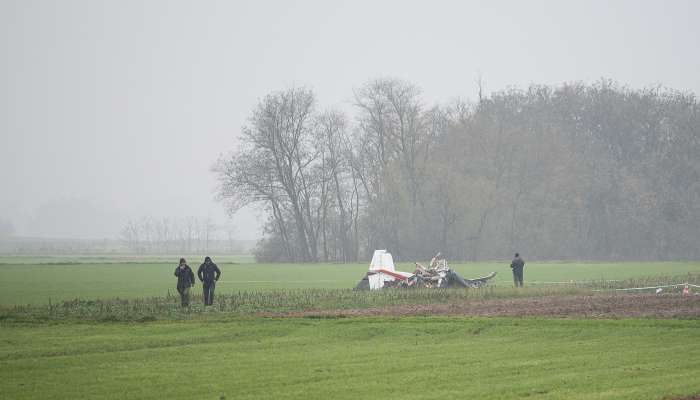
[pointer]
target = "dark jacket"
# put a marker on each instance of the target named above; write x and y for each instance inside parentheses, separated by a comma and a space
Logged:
(185, 276)
(208, 272)
(517, 264)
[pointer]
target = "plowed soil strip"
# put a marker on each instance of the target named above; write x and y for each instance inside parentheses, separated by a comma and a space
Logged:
(593, 306)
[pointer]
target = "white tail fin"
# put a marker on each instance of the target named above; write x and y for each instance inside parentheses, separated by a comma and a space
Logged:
(382, 260)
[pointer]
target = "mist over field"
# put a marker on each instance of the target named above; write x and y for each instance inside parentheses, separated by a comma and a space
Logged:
(562, 129)
(191, 193)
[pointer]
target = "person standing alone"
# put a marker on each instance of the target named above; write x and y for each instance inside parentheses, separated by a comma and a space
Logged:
(517, 266)
(208, 273)
(185, 280)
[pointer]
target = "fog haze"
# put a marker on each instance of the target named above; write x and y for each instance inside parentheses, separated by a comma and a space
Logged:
(111, 111)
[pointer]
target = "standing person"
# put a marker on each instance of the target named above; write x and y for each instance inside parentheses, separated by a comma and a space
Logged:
(185, 280)
(517, 266)
(208, 273)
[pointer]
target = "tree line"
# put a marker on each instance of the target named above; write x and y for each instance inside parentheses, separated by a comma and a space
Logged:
(183, 235)
(574, 171)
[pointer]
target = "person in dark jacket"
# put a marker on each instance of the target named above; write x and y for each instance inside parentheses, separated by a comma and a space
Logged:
(185, 280)
(208, 273)
(517, 266)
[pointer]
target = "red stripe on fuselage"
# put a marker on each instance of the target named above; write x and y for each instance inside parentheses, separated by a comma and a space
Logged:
(391, 273)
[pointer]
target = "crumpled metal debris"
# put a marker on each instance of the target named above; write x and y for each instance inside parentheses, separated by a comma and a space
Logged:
(438, 274)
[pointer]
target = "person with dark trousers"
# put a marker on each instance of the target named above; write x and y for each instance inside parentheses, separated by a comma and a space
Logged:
(517, 266)
(208, 273)
(185, 280)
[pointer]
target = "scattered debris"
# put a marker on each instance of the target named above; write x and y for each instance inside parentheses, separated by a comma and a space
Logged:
(438, 274)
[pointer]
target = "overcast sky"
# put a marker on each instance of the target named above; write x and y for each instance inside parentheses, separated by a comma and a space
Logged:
(116, 110)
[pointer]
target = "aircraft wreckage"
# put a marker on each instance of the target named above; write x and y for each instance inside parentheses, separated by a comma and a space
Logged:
(438, 274)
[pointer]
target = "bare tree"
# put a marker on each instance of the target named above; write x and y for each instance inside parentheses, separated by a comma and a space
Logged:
(130, 235)
(332, 133)
(280, 141)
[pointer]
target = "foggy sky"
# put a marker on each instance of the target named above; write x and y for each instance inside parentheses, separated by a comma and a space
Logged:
(117, 110)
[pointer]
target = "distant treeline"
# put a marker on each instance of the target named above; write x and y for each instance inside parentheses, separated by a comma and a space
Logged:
(146, 235)
(12, 245)
(574, 171)
(181, 235)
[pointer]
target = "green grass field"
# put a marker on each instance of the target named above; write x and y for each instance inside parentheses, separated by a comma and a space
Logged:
(354, 358)
(80, 352)
(38, 280)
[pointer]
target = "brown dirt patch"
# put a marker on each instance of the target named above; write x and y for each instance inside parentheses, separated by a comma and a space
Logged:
(590, 306)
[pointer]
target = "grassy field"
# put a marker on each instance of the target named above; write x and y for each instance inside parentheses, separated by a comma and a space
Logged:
(38, 280)
(352, 358)
(148, 347)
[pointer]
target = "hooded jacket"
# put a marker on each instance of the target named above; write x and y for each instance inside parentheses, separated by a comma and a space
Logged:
(208, 272)
(185, 276)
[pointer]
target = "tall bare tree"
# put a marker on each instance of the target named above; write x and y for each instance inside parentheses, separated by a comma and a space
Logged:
(279, 143)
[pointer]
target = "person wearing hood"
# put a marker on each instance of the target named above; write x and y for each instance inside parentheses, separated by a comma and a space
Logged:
(208, 273)
(185, 280)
